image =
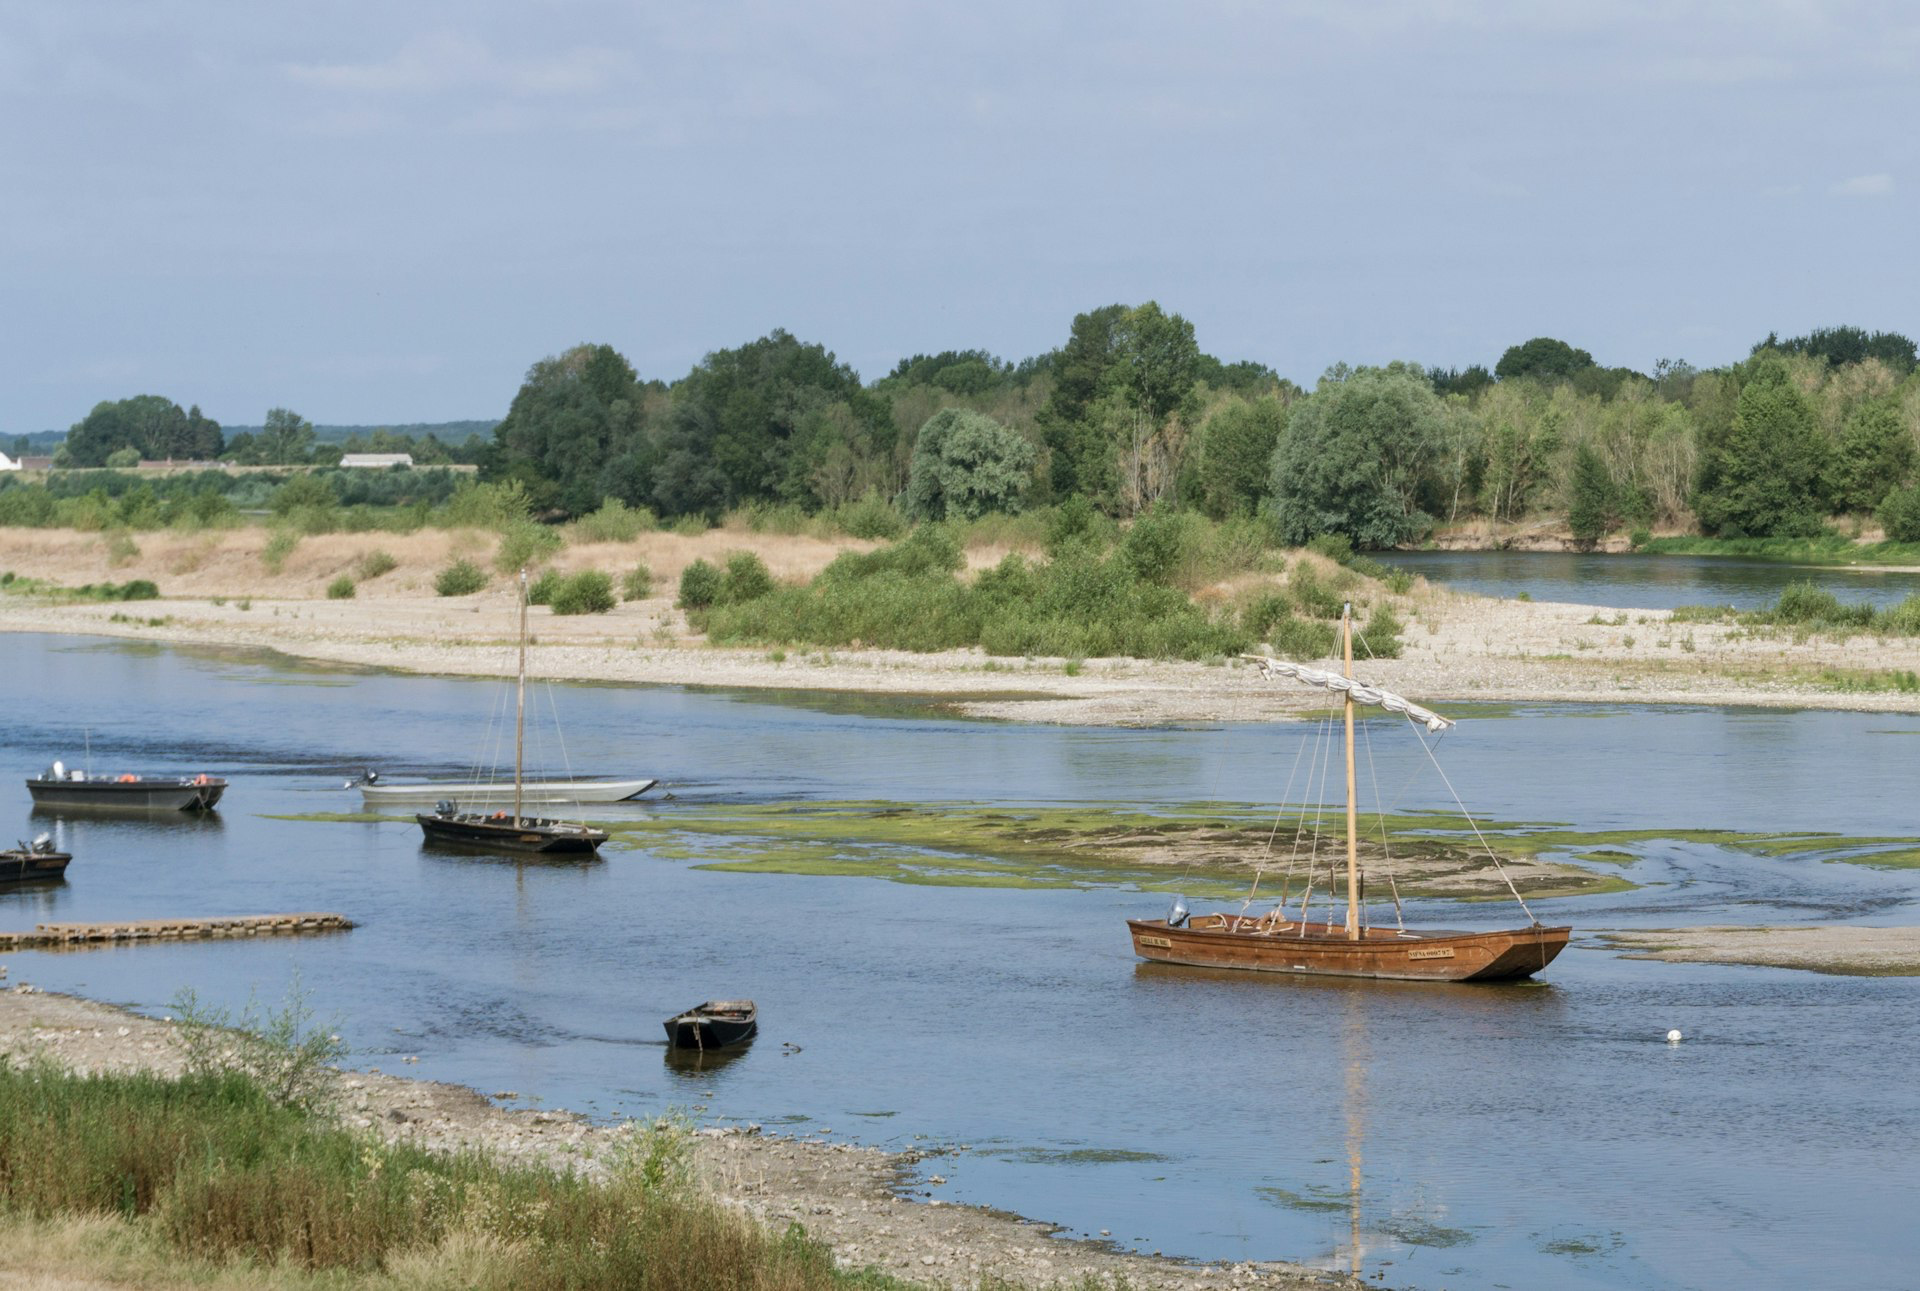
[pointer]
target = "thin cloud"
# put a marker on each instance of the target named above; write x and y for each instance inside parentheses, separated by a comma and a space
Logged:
(440, 62)
(1878, 185)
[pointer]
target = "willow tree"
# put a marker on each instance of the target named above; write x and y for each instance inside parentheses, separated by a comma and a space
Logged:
(1355, 455)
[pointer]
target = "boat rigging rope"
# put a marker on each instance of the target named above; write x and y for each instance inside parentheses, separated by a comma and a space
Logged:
(1386, 846)
(1266, 850)
(1475, 826)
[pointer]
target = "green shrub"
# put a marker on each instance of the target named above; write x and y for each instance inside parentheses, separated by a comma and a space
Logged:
(746, 578)
(699, 585)
(524, 543)
(121, 548)
(637, 584)
(1259, 615)
(1899, 514)
(1806, 604)
(1334, 546)
(1073, 522)
(341, 588)
(615, 521)
(1314, 597)
(871, 517)
(1303, 639)
(278, 548)
(1381, 635)
(461, 578)
(1154, 543)
(587, 592)
(541, 591)
(375, 563)
(692, 526)
(486, 506)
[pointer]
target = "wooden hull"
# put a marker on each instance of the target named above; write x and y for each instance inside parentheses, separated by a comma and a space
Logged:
(1431, 955)
(160, 793)
(714, 1025)
(29, 866)
(537, 793)
(505, 834)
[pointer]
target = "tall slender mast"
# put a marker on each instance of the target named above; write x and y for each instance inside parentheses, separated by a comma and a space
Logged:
(520, 712)
(1353, 811)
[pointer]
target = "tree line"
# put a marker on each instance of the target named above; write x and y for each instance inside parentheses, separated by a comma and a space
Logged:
(1128, 414)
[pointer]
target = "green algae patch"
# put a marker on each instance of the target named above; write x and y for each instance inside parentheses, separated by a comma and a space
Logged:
(1212, 849)
(1312, 1202)
(1077, 1156)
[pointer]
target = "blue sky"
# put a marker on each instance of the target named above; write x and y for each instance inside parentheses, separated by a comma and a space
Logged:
(386, 213)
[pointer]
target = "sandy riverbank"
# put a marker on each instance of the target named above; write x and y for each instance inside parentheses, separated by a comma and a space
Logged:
(217, 592)
(873, 1208)
(1849, 950)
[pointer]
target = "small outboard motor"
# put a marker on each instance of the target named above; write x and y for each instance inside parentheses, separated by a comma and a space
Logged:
(446, 807)
(1177, 916)
(43, 844)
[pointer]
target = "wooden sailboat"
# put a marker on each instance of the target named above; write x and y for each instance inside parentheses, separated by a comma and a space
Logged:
(1276, 942)
(498, 831)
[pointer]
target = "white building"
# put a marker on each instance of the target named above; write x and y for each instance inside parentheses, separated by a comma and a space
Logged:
(8, 464)
(376, 461)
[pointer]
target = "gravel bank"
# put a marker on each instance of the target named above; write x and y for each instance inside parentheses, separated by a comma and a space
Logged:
(873, 1208)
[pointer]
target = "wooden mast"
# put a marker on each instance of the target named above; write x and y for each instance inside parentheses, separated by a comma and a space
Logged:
(1353, 811)
(520, 711)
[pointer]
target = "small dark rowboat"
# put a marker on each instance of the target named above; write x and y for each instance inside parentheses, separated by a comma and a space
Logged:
(713, 1025)
(33, 861)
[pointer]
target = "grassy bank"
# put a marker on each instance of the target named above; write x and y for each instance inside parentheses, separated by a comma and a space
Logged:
(1827, 549)
(209, 1168)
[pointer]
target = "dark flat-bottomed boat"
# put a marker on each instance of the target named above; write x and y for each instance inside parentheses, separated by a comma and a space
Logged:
(38, 860)
(504, 831)
(59, 787)
(713, 1025)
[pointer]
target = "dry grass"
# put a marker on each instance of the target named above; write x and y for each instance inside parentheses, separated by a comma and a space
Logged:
(229, 563)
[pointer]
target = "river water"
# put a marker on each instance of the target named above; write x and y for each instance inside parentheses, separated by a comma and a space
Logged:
(1647, 582)
(1457, 1136)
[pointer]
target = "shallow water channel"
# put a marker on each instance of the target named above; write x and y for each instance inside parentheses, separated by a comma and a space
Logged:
(1642, 582)
(1441, 1136)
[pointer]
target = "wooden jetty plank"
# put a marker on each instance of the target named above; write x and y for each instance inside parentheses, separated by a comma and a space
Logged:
(125, 930)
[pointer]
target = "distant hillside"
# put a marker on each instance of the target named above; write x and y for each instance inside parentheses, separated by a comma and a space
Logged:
(447, 432)
(42, 443)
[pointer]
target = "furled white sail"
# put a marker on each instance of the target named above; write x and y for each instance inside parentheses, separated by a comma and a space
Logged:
(1361, 692)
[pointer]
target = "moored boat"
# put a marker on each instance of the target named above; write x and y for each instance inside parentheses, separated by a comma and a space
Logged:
(513, 831)
(1282, 942)
(36, 860)
(539, 793)
(507, 831)
(58, 786)
(713, 1025)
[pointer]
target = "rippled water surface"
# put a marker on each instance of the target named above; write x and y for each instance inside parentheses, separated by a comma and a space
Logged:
(1519, 1136)
(1647, 582)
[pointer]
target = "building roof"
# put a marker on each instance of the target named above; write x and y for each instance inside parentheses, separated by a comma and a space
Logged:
(377, 459)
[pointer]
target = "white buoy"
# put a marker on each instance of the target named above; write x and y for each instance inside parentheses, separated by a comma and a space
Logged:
(1674, 1036)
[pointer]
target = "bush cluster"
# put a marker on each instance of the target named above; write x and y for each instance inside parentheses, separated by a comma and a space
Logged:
(461, 578)
(1086, 602)
(587, 592)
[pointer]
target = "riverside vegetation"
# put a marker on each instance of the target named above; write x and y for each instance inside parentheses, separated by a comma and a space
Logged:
(234, 1170)
(1807, 433)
